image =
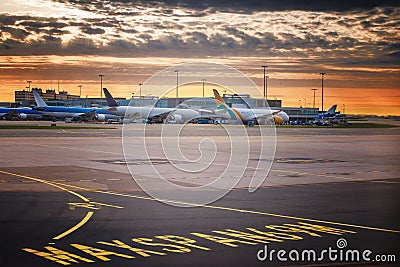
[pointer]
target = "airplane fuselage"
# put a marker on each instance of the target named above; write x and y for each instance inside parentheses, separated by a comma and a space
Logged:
(148, 112)
(74, 112)
(247, 114)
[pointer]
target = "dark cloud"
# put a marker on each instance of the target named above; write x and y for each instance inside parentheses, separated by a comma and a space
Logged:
(6, 19)
(91, 30)
(15, 32)
(243, 6)
(161, 31)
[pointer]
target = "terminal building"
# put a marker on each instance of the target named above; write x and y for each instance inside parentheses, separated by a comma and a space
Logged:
(25, 97)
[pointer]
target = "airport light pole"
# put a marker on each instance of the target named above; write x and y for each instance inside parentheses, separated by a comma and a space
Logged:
(305, 102)
(80, 90)
(177, 84)
(101, 85)
(203, 80)
(322, 87)
(265, 84)
(299, 103)
(140, 94)
(29, 85)
(314, 89)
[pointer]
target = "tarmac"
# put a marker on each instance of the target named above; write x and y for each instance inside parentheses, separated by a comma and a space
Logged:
(68, 198)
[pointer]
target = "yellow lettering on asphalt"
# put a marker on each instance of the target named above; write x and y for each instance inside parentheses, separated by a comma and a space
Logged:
(141, 252)
(166, 247)
(57, 255)
(181, 240)
(100, 253)
(247, 236)
(324, 229)
(276, 234)
(290, 228)
(223, 240)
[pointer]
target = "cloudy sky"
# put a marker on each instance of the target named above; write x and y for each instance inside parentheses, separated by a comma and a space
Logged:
(73, 41)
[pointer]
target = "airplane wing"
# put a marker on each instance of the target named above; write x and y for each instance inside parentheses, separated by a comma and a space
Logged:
(265, 113)
(207, 111)
(88, 115)
(159, 115)
(11, 115)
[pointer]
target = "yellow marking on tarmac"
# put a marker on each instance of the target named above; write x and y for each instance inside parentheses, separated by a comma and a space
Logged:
(76, 227)
(251, 212)
(82, 205)
(81, 223)
(239, 210)
(215, 207)
(107, 205)
(46, 182)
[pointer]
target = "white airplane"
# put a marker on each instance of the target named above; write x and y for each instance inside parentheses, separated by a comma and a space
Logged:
(150, 112)
(248, 114)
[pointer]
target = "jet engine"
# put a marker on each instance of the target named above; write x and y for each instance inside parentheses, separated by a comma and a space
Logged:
(100, 117)
(22, 116)
(278, 120)
(174, 118)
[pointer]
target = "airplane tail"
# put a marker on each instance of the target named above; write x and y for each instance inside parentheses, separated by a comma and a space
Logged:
(221, 105)
(219, 101)
(38, 99)
(110, 100)
(332, 110)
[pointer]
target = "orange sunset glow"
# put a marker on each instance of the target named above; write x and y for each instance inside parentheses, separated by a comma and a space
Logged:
(63, 44)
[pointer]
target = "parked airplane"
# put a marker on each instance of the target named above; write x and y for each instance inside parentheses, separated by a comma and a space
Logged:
(70, 112)
(249, 114)
(19, 113)
(330, 113)
(150, 112)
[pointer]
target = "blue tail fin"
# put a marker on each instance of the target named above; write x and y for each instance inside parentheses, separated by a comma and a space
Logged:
(38, 99)
(110, 100)
(332, 110)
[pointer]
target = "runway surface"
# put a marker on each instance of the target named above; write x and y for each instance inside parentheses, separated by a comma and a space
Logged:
(67, 198)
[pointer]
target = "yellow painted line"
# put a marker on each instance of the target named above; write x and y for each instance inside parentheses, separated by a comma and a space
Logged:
(76, 227)
(107, 205)
(46, 182)
(220, 207)
(251, 212)
(80, 224)
(242, 211)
